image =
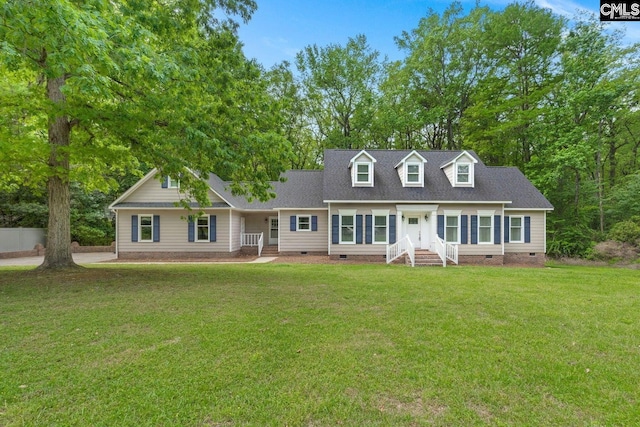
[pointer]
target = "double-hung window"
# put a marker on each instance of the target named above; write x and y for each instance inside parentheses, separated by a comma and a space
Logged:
(515, 229)
(304, 223)
(463, 173)
(173, 183)
(380, 229)
(347, 228)
(146, 228)
(451, 229)
(413, 173)
(485, 229)
(363, 173)
(202, 229)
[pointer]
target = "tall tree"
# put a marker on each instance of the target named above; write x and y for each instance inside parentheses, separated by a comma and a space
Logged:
(340, 83)
(101, 85)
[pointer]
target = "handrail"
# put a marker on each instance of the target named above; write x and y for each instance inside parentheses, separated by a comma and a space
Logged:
(446, 251)
(260, 244)
(253, 239)
(401, 247)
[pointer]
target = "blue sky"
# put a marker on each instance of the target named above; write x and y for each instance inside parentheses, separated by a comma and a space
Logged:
(280, 28)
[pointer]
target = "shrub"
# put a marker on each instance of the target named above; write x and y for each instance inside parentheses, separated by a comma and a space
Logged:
(626, 232)
(614, 251)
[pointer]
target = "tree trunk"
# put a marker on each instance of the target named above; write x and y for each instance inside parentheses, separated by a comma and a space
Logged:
(58, 253)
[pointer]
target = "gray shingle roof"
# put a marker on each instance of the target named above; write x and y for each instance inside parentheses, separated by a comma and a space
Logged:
(302, 189)
(491, 184)
(155, 205)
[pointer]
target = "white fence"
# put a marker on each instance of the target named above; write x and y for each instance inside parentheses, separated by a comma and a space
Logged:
(21, 239)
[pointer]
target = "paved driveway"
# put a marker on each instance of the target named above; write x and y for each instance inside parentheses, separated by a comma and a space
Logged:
(89, 258)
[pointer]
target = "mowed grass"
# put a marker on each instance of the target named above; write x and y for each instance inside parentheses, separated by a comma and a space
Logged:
(320, 345)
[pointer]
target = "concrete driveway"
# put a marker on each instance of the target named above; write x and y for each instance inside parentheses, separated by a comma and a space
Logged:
(90, 258)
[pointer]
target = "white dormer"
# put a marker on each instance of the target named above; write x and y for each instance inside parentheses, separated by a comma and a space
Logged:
(411, 170)
(361, 166)
(460, 170)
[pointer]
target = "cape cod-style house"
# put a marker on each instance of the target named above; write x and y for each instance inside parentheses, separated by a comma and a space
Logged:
(370, 204)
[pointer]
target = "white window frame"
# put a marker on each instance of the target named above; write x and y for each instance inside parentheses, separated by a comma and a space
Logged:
(299, 224)
(356, 172)
(447, 216)
(469, 174)
(150, 226)
(491, 221)
(379, 213)
(347, 213)
(420, 174)
(521, 227)
(198, 226)
(173, 183)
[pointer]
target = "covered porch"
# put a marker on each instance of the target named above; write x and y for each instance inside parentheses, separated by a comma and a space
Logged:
(260, 230)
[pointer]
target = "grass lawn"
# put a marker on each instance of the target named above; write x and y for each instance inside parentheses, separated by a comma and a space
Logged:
(319, 345)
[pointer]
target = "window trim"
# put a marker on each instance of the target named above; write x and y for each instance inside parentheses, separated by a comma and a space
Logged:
(469, 173)
(420, 174)
(521, 227)
(491, 224)
(369, 180)
(173, 183)
(347, 213)
(140, 239)
(298, 218)
(457, 216)
(197, 226)
(379, 213)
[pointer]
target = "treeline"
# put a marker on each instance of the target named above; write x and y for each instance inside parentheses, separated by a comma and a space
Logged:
(520, 86)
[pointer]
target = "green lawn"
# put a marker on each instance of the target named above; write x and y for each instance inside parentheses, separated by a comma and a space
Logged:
(320, 345)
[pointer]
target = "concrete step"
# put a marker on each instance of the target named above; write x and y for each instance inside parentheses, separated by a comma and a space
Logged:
(425, 258)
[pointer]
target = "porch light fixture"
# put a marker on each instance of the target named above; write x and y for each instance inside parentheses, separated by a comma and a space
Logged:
(266, 220)
(426, 217)
(402, 217)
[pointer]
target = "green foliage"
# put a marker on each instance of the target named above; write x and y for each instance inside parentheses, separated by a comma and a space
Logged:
(627, 231)
(566, 239)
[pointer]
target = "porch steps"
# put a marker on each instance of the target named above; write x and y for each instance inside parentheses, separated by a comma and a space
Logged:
(270, 250)
(425, 258)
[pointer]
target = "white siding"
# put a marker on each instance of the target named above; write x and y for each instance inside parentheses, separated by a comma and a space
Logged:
(481, 248)
(152, 191)
(173, 232)
(303, 241)
(449, 171)
(235, 230)
(537, 233)
(364, 248)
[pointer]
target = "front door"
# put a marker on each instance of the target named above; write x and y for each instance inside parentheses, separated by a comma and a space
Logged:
(273, 230)
(413, 230)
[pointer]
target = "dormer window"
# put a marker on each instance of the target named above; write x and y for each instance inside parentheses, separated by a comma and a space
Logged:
(361, 166)
(173, 183)
(411, 170)
(460, 170)
(363, 173)
(413, 173)
(463, 173)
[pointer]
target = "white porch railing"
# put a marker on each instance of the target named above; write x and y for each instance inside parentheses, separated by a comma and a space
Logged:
(253, 239)
(446, 251)
(401, 247)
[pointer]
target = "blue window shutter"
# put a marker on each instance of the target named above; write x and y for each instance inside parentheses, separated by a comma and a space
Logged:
(441, 226)
(506, 229)
(292, 223)
(335, 229)
(156, 228)
(368, 234)
(527, 229)
(314, 223)
(497, 222)
(134, 228)
(165, 182)
(474, 229)
(212, 228)
(392, 229)
(358, 229)
(191, 230)
(464, 229)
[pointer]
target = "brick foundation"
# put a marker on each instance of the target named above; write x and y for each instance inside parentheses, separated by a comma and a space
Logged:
(536, 259)
(480, 260)
(308, 253)
(360, 258)
(175, 255)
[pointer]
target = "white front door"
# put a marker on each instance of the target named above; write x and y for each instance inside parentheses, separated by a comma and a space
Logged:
(273, 230)
(414, 230)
